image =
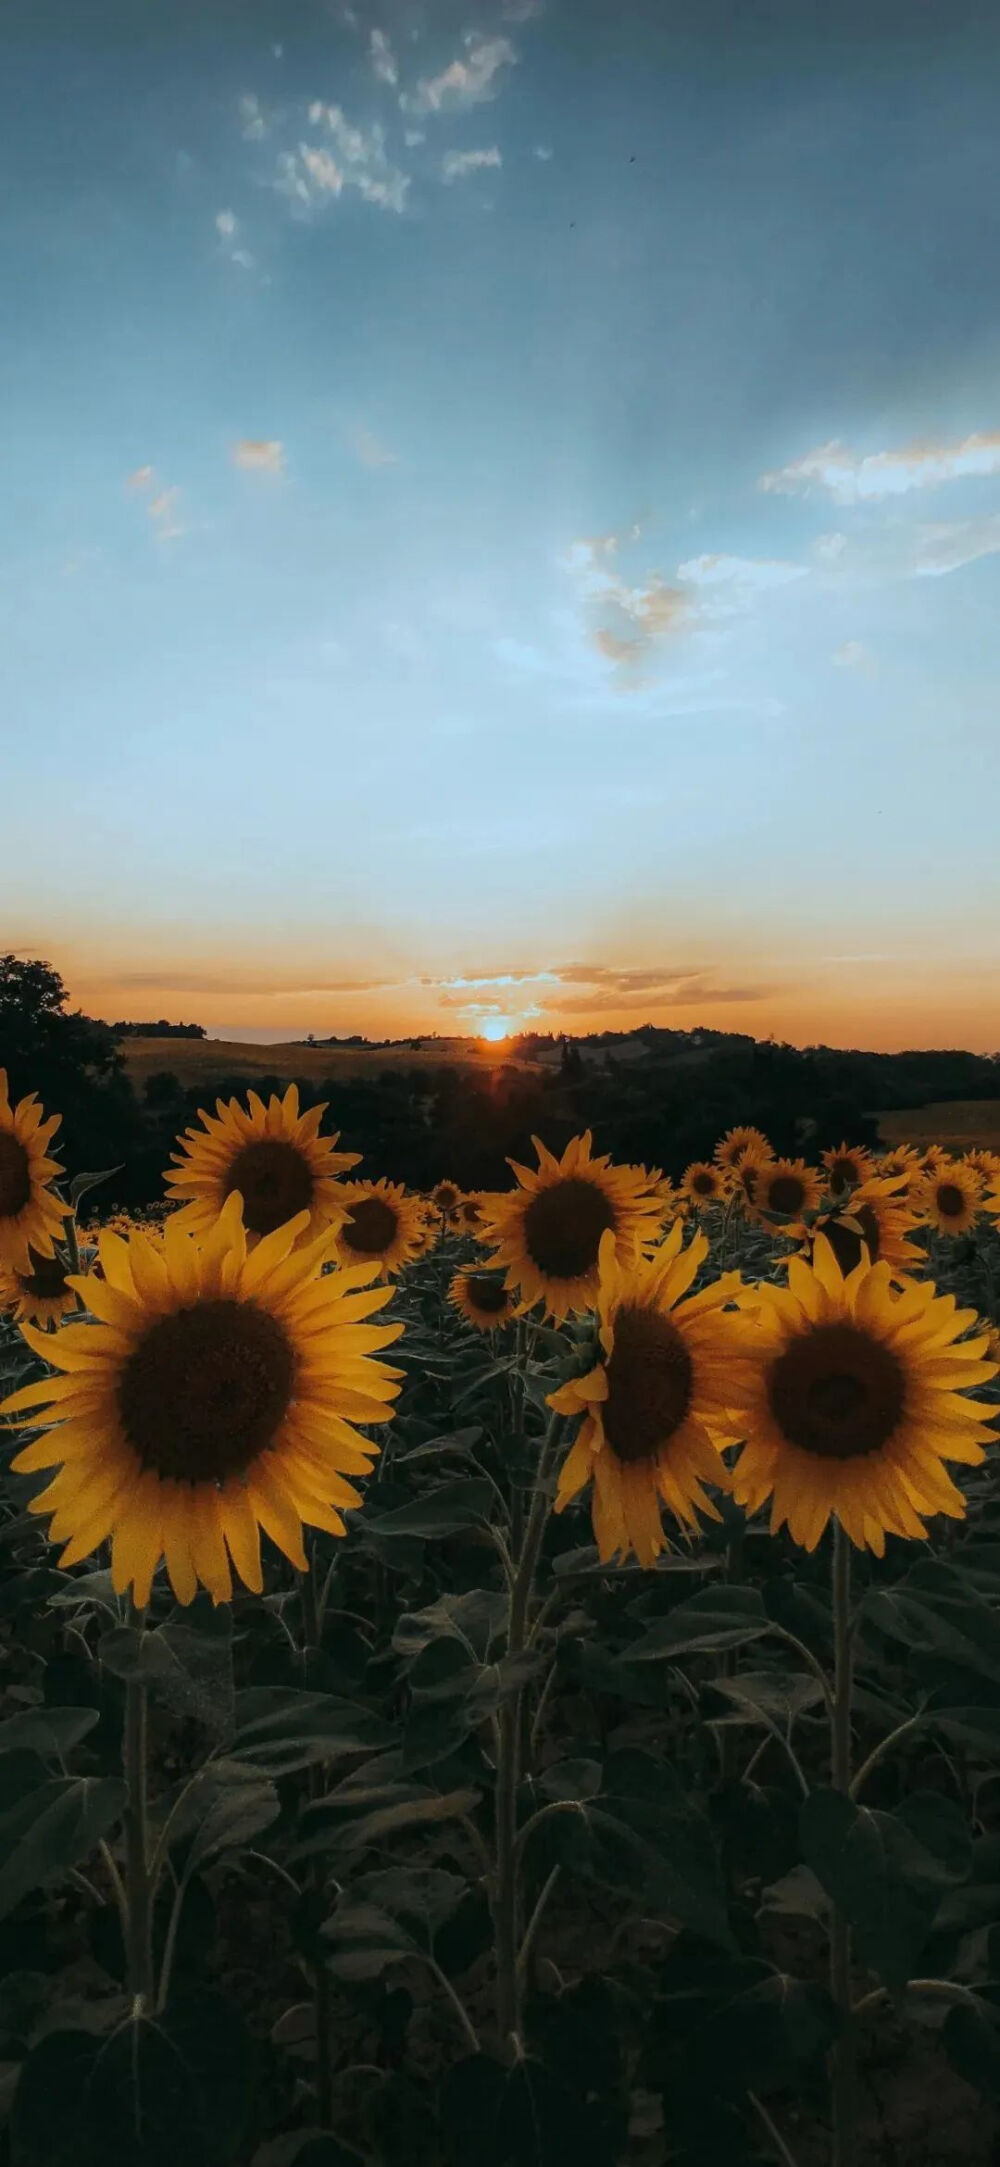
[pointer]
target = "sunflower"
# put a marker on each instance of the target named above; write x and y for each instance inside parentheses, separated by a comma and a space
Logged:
(902, 1159)
(950, 1198)
(654, 1406)
(847, 1166)
(547, 1231)
(272, 1155)
(469, 1212)
(857, 1400)
(41, 1295)
(737, 1144)
(786, 1187)
(482, 1299)
(31, 1216)
(742, 1178)
(382, 1226)
(446, 1198)
(932, 1158)
(216, 1395)
(702, 1183)
(877, 1215)
(986, 1163)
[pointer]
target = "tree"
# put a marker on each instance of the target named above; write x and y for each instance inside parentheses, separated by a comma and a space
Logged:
(71, 1061)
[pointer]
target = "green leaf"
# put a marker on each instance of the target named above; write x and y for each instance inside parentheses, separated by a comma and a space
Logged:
(355, 1816)
(390, 1915)
(82, 1183)
(52, 1829)
(971, 2038)
(279, 1729)
(719, 1617)
(177, 2087)
(188, 1667)
(521, 2116)
(52, 1732)
(885, 1872)
(771, 1696)
(461, 1442)
(641, 1833)
(448, 1510)
(476, 1618)
(233, 1804)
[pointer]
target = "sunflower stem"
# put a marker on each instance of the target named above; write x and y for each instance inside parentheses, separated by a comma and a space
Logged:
(842, 2059)
(138, 1880)
(506, 1907)
(312, 1629)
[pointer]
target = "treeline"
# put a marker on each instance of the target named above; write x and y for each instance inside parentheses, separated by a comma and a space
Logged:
(418, 1124)
(161, 1029)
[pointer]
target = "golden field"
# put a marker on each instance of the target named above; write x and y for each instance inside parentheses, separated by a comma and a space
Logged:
(211, 1060)
(958, 1124)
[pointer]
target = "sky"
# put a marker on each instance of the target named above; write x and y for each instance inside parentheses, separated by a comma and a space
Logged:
(500, 514)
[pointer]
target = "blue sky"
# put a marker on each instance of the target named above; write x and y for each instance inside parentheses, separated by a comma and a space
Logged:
(500, 514)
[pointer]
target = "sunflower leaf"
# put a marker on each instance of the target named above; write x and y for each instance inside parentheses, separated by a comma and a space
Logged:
(51, 1829)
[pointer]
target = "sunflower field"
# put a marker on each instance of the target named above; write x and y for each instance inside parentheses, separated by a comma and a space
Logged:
(510, 1677)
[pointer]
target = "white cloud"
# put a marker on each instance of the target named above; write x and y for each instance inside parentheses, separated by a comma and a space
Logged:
(456, 164)
(383, 59)
(259, 455)
(851, 656)
(543, 152)
(755, 572)
(940, 549)
(465, 82)
(252, 116)
(141, 478)
(413, 136)
(163, 508)
(361, 162)
(227, 226)
(226, 223)
(828, 547)
(854, 479)
(323, 170)
(371, 451)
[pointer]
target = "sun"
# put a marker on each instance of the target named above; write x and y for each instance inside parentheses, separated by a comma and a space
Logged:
(496, 1028)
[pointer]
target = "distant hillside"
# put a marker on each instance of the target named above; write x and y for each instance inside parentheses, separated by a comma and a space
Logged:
(209, 1061)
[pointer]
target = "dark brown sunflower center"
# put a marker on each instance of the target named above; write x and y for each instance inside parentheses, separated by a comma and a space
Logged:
(371, 1227)
(46, 1279)
(837, 1393)
(649, 1384)
(563, 1226)
(15, 1176)
(786, 1193)
(206, 1390)
(951, 1201)
(487, 1293)
(275, 1182)
(846, 1245)
(471, 1212)
(843, 1174)
(748, 1177)
(704, 1183)
(445, 1196)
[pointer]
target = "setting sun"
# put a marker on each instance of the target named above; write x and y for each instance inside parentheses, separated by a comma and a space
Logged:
(496, 1028)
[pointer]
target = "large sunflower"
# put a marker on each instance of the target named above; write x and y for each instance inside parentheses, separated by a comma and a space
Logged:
(742, 1178)
(735, 1146)
(950, 1198)
(216, 1395)
(876, 1215)
(857, 1400)
(41, 1295)
(902, 1159)
(847, 1165)
(547, 1232)
(272, 1155)
(986, 1163)
(482, 1299)
(703, 1183)
(382, 1226)
(655, 1404)
(786, 1187)
(31, 1216)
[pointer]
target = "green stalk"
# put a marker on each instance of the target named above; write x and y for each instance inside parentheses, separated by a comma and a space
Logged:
(312, 1618)
(842, 2060)
(507, 1908)
(138, 1880)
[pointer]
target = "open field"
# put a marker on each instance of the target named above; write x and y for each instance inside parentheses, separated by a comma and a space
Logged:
(207, 1060)
(958, 1124)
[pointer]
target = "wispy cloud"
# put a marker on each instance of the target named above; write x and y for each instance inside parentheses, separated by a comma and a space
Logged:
(252, 118)
(757, 573)
(624, 622)
(543, 152)
(456, 164)
(852, 478)
(259, 455)
(945, 548)
(383, 59)
(162, 503)
(469, 80)
(853, 655)
(371, 451)
(346, 157)
(227, 227)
